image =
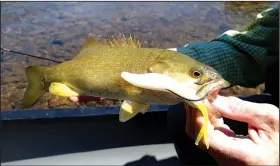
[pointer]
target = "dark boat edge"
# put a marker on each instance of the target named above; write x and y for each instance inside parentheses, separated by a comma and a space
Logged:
(22, 114)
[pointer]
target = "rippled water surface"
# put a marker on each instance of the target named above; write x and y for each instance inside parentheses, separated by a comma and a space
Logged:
(57, 30)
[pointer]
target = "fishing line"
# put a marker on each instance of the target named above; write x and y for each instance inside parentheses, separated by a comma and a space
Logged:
(33, 56)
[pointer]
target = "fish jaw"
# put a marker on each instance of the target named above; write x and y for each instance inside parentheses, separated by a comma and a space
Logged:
(212, 86)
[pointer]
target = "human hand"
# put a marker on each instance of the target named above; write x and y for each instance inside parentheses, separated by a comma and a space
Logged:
(259, 147)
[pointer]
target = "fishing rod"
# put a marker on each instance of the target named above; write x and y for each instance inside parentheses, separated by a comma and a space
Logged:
(17, 52)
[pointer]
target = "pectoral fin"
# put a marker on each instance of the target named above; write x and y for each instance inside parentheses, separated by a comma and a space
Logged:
(145, 108)
(129, 109)
(204, 130)
(60, 89)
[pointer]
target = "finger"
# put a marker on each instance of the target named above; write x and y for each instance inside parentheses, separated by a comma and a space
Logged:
(225, 129)
(214, 116)
(194, 123)
(253, 113)
(262, 135)
(253, 134)
(186, 106)
(212, 97)
(222, 144)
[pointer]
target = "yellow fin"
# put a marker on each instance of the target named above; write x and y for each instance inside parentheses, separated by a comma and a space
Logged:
(60, 89)
(204, 130)
(129, 109)
(145, 109)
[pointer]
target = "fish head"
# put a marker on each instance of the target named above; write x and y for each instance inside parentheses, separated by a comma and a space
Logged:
(197, 78)
(207, 80)
(180, 75)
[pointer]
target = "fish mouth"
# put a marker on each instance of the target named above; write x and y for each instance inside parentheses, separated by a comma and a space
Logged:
(212, 88)
(209, 89)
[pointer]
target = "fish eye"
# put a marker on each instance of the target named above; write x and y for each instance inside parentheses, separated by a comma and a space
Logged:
(195, 73)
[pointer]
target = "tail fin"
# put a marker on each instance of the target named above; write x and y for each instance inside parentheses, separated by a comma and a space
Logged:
(35, 88)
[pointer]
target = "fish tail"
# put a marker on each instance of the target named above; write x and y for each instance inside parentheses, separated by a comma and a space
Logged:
(35, 88)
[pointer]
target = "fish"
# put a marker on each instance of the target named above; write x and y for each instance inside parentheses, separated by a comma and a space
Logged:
(99, 69)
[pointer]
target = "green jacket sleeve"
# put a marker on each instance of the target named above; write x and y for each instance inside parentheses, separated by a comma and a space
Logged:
(242, 57)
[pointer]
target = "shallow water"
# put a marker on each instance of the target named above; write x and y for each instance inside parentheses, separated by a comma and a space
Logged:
(57, 30)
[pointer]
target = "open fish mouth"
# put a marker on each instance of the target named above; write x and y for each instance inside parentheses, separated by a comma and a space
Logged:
(210, 88)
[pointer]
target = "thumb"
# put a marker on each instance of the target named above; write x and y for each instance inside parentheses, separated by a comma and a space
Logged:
(255, 114)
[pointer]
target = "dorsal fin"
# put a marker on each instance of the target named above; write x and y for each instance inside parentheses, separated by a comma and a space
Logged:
(92, 42)
(120, 42)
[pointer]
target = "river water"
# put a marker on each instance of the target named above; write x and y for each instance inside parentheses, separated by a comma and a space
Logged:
(57, 30)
